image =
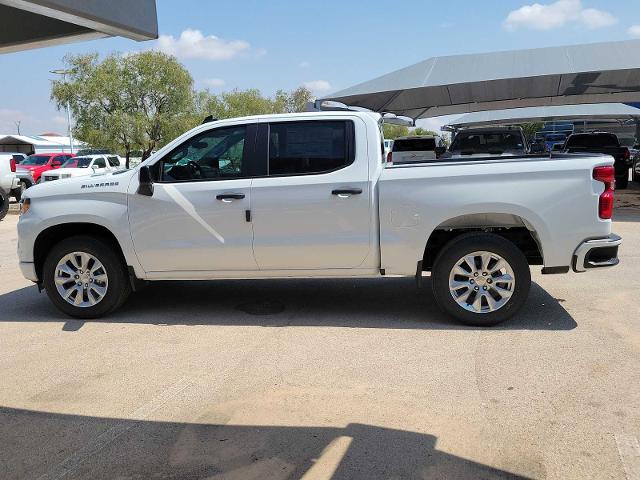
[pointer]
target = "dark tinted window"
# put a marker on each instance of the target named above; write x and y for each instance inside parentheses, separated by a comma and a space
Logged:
(100, 163)
(113, 161)
(487, 142)
(298, 148)
(414, 145)
(596, 140)
(211, 155)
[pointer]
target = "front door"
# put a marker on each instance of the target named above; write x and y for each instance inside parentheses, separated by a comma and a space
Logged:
(196, 219)
(313, 209)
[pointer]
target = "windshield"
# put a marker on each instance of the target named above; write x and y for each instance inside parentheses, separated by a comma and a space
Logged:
(594, 140)
(487, 142)
(627, 142)
(414, 145)
(77, 162)
(36, 160)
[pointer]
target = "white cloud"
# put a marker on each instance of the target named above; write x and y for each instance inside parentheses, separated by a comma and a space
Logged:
(318, 86)
(214, 82)
(634, 31)
(554, 15)
(193, 44)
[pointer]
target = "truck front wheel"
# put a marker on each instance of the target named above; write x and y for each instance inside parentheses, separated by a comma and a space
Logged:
(85, 278)
(480, 279)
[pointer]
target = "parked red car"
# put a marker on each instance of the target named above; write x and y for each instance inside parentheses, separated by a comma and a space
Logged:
(38, 163)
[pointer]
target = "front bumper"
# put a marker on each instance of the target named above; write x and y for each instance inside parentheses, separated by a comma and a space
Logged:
(597, 253)
(29, 271)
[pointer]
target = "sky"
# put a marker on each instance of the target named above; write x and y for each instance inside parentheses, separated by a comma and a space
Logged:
(327, 46)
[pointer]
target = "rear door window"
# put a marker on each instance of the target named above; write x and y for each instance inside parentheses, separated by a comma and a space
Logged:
(599, 140)
(310, 147)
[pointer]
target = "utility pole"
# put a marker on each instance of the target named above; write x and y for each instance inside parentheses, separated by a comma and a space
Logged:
(64, 79)
(17, 122)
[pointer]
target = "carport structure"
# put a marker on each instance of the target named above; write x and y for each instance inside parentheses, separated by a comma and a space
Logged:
(28, 24)
(580, 74)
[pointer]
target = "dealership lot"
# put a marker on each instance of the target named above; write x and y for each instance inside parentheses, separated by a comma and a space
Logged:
(324, 379)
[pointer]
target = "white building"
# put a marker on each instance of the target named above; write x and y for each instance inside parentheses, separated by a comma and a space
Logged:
(45, 143)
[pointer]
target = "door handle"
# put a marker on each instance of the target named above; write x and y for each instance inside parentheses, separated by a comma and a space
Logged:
(230, 197)
(346, 192)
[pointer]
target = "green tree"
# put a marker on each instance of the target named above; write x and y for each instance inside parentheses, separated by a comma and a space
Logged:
(240, 103)
(126, 103)
(421, 132)
(530, 129)
(394, 131)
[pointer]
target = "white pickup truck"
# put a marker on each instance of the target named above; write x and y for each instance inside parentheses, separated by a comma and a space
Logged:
(310, 195)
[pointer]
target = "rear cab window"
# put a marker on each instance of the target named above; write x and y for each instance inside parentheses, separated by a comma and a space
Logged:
(593, 140)
(414, 145)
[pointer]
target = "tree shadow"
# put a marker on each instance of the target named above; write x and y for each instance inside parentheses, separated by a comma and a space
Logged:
(49, 445)
(350, 303)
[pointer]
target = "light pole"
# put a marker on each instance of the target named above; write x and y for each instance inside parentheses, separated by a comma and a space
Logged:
(64, 79)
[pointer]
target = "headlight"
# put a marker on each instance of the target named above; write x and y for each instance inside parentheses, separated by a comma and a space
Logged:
(25, 205)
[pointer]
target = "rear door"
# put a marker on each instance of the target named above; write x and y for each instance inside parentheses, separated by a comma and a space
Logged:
(313, 209)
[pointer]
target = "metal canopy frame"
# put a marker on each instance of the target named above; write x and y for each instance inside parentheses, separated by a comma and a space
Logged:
(579, 74)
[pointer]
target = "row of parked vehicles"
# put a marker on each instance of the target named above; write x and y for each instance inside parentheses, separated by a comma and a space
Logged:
(511, 141)
(19, 171)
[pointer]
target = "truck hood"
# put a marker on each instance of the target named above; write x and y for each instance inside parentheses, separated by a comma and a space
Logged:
(112, 182)
(74, 172)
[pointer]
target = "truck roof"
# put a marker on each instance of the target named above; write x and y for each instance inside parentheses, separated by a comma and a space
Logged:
(328, 113)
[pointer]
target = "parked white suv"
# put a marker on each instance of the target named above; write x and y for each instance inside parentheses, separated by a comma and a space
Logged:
(8, 181)
(82, 167)
(307, 195)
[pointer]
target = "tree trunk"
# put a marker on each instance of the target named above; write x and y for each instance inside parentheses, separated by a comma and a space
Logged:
(128, 156)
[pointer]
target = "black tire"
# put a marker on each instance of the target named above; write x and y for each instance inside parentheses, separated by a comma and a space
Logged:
(622, 182)
(4, 203)
(118, 288)
(17, 193)
(473, 242)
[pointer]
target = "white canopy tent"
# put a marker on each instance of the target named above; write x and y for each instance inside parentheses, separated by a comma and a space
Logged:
(594, 73)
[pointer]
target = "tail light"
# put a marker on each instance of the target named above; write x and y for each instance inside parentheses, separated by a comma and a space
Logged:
(605, 175)
(12, 165)
(389, 157)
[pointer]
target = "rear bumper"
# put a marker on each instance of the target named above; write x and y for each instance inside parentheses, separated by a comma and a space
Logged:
(597, 253)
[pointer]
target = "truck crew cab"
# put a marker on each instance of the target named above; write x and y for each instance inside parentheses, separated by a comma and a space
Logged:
(310, 195)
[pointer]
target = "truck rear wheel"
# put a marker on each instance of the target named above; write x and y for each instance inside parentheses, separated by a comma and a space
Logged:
(480, 279)
(4, 203)
(85, 278)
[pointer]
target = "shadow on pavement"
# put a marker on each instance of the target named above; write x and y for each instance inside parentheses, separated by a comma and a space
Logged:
(48, 445)
(351, 303)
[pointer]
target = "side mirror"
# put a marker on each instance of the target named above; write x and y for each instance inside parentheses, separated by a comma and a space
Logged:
(56, 164)
(146, 182)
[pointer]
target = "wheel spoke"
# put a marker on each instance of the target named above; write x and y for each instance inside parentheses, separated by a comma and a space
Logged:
(456, 285)
(486, 259)
(490, 301)
(66, 269)
(471, 261)
(503, 292)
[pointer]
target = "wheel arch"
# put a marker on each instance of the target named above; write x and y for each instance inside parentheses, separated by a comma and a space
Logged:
(54, 234)
(512, 227)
